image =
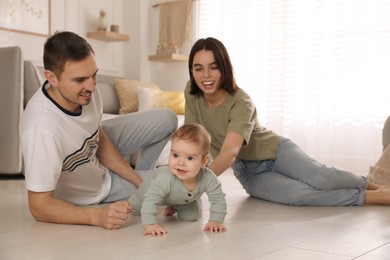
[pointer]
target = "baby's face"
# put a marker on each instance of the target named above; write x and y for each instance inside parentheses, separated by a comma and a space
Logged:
(185, 159)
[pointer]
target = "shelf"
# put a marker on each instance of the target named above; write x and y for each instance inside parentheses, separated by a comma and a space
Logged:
(169, 57)
(108, 36)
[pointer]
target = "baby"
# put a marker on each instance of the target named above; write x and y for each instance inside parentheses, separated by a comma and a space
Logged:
(180, 185)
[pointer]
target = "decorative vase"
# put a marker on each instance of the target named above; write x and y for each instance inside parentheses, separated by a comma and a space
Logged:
(102, 23)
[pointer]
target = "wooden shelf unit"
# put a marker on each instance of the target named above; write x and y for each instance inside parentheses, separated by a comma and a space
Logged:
(171, 57)
(108, 36)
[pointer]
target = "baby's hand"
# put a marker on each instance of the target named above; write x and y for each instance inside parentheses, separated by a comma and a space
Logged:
(154, 230)
(213, 226)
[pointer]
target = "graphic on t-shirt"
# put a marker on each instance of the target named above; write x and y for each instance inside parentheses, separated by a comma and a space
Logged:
(82, 155)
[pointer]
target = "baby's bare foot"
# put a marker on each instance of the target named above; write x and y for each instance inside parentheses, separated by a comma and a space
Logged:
(169, 211)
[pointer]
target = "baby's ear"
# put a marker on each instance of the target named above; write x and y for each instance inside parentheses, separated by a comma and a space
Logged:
(205, 161)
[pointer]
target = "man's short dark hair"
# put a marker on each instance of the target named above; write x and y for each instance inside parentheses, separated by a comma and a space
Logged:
(62, 47)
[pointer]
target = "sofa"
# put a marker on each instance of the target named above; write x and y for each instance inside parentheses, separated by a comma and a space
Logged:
(11, 108)
(22, 78)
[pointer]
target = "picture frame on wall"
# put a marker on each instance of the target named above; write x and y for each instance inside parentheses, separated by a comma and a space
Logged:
(22, 16)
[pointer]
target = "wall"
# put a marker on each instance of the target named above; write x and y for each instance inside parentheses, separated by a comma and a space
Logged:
(32, 45)
(144, 33)
(129, 59)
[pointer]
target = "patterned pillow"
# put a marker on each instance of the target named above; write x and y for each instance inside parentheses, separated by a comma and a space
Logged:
(127, 91)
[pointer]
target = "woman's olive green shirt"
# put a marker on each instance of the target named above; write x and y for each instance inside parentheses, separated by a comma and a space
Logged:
(236, 114)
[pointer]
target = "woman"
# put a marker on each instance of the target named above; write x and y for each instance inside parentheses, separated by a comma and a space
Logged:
(380, 172)
(268, 166)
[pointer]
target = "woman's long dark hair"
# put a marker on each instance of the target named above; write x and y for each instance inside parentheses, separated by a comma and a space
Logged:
(222, 60)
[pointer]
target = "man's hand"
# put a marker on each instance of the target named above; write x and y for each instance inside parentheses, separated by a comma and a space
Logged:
(154, 230)
(44, 207)
(114, 215)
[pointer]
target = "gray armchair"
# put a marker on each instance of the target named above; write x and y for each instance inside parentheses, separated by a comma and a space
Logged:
(17, 76)
(11, 107)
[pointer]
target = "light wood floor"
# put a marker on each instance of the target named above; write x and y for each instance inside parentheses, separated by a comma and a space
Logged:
(256, 230)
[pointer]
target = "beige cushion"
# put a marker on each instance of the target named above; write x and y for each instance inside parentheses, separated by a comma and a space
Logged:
(155, 98)
(127, 93)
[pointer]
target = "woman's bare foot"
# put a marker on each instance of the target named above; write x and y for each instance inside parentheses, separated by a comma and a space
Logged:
(385, 188)
(169, 211)
(380, 196)
(372, 186)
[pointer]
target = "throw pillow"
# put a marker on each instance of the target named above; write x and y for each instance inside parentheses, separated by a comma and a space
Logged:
(126, 90)
(156, 98)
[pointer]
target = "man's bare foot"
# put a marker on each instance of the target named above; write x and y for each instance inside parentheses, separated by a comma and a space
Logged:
(169, 211)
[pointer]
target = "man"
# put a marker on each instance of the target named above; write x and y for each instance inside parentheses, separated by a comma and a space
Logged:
(71, 158)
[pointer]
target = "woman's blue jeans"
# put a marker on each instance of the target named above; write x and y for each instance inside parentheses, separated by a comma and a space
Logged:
(296, 179)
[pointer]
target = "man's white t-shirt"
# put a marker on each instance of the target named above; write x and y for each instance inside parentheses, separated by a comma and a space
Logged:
(59, 150)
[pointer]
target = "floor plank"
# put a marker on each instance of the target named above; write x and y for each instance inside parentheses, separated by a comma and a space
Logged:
(256, 230)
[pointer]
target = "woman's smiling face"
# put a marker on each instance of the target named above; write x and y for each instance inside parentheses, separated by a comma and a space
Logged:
(206, 73)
